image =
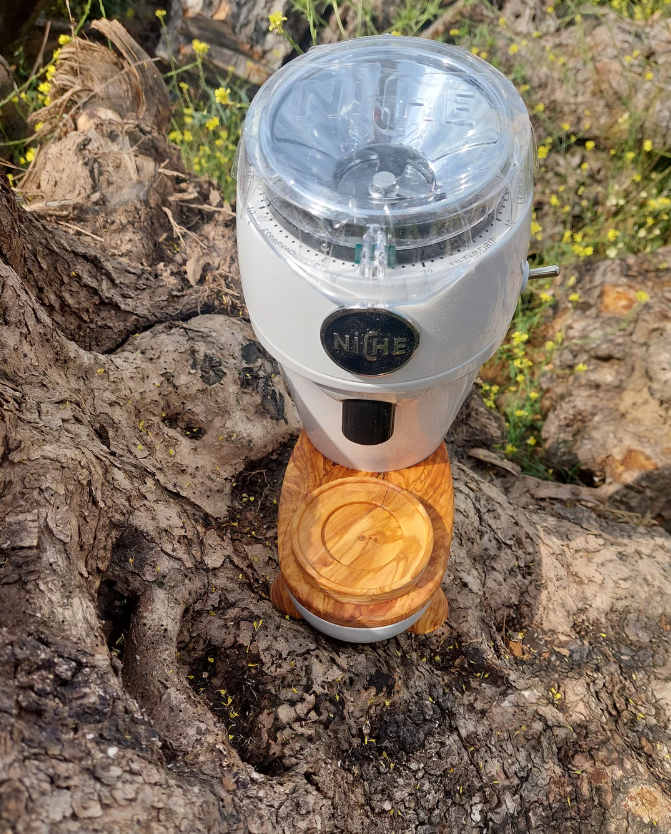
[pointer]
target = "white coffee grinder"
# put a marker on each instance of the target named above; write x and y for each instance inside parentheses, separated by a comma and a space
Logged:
(384, 207)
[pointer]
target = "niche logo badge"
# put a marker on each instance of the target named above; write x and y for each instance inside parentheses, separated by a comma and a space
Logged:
(369, 342)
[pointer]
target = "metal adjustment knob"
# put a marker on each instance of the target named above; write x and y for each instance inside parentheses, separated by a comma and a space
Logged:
(544, 271)
(537, 272)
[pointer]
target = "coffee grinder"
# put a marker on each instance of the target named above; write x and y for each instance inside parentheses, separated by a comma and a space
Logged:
(383, 216)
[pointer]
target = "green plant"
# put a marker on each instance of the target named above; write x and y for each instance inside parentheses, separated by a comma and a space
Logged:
(638, 9)
(206, 119)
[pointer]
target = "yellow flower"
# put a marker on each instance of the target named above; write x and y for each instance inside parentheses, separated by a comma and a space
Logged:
(474, 50)
(510, 449)
(612, 234)
(565, 126)
(554, 200)
(520, 377)
(544, 296)
(641, 295)
(524, 88)
(65, 39)
(44, 87)
(629, 156)
(539, 107)
(175, 136)
(584, 166)
(550, 9)
(200, 48)
(589, 145)
(160, 14)
(212, 123)
(542, 151)
(580, 368)
(513, 48)
(647, 146)
(532, 441)
(636, 178)
(533, 395)
(502, 21)
(520, 413)
(649, 76)
(39, 127)
(276, 20)
(187, 136)
(396, 32)
(535, 227)
(30, 154)
(574, 297)
(222, 95)
(454, 32)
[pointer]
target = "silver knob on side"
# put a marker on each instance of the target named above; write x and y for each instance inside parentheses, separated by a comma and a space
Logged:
(545, 272)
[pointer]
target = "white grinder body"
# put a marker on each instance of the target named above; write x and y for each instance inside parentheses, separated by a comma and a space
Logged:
(384, 207)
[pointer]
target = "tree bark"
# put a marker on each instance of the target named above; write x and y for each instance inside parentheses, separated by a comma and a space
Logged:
(614, 419)
(147, 683)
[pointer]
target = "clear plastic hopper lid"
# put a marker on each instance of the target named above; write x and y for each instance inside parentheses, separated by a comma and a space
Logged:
(402, 141)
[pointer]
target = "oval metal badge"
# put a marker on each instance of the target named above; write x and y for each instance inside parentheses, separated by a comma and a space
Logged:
(369, 342)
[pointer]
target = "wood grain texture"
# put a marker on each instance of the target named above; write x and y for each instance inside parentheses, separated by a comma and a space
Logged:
(362, 538)
(434, 616)
(429, 482)
(279, 596)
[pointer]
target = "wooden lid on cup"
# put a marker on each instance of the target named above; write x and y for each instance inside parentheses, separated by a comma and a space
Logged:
(361, 539)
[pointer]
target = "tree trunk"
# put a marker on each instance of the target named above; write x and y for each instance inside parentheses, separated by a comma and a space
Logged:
(146, 682)
(615, 418)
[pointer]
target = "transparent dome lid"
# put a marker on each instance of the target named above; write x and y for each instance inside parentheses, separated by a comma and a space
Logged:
(387, 145)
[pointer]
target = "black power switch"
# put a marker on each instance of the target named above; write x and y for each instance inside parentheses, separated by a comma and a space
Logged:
(367, 422)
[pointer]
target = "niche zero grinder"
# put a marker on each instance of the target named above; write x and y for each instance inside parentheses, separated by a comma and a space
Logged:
(384, 207)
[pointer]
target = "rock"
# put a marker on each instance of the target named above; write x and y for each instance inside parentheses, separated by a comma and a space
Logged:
(590, 95)
(613, 419)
